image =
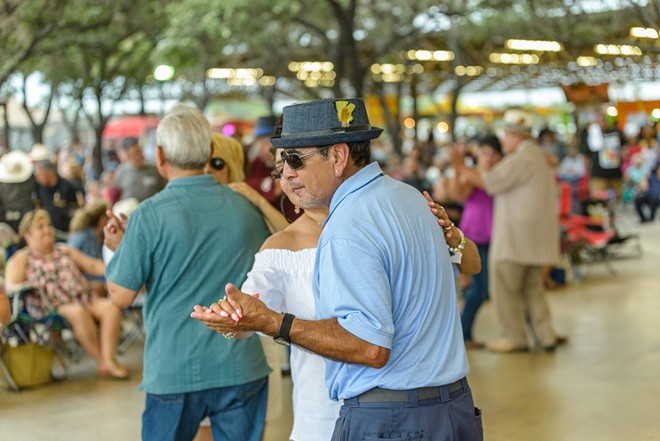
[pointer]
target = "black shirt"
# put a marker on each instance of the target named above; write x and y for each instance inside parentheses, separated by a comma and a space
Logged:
(59, 201)
(606, 160)
(15, 201)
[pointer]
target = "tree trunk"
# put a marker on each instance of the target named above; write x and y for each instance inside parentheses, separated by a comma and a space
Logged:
(453, 114)
(141, 98)
(5, 116)
(413, 93)
(98, 149)
(391, 120)
(37, 128)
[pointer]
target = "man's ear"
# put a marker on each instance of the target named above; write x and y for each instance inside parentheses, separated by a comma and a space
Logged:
(160, 156)
(341, 155)
(161, 160)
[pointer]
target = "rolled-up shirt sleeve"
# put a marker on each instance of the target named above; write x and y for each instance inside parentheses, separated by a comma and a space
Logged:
(354, 288)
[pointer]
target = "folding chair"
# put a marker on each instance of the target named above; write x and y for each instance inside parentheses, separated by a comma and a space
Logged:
(17, 332)
(4, 341)
(585, 237)
(49, 330)
(132, 324)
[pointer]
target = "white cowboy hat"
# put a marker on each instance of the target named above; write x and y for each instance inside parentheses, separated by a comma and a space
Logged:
(15, 167)
(125, 206)
(39, 152)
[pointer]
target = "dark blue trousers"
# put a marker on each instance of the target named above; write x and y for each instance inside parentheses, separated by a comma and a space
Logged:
(476, 294)
(451, 417)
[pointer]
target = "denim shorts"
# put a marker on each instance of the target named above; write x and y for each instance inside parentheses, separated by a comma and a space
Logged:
(236, 413)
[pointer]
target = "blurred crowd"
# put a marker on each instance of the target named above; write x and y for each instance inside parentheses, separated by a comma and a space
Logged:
(500, 188)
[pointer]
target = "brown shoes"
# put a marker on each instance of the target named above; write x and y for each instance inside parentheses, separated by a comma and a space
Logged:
(506, 348)
(471, 344)
(559, 341)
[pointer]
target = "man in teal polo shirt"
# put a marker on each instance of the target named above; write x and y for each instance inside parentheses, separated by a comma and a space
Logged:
(182, 245)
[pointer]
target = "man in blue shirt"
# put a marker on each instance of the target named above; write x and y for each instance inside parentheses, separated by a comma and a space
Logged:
(385, 299)
(182, 244)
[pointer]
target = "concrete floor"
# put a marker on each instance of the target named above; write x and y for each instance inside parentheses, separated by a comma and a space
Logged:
(604, 385)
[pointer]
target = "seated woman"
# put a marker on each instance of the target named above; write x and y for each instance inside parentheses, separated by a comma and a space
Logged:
(56, 270)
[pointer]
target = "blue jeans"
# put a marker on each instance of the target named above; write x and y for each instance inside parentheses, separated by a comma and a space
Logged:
(476, 294)
(452, 417)
(236, 413)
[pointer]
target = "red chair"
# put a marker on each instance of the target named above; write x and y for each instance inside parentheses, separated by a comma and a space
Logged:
(585, 238)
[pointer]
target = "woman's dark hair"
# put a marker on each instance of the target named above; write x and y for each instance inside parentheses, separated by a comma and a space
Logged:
(491, 141)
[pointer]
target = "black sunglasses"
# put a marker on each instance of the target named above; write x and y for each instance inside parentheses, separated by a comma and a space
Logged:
(277, 172)
(295, 161)
(217, 163)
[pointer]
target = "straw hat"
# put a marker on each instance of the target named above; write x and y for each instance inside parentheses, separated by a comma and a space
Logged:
(519, 121)
(15, 167)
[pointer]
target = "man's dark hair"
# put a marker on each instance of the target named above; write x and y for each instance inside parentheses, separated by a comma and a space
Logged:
(360, 152)
(46, 166)
(127, 143)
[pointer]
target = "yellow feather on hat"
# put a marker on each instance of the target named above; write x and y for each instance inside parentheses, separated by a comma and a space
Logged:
(344, 112)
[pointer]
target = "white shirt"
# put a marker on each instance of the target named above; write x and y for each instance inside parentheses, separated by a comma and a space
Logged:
(283, 278)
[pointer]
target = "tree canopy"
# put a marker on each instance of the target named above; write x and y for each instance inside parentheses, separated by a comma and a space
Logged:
(98, 52)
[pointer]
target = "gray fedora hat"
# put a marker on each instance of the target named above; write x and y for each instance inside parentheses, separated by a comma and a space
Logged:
(324, 122)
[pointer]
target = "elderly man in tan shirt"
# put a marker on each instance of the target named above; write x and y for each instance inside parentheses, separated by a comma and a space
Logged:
(525, 236)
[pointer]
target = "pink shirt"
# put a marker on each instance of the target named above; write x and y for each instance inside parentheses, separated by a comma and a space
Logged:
(477, 217)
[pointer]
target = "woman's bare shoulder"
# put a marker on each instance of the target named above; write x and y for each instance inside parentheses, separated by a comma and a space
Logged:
(295, 237)
(280, 240)
(19, 255)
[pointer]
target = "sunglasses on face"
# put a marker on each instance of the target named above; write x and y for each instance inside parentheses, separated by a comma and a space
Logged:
(217, 163)
(277, 171)
(295, 161)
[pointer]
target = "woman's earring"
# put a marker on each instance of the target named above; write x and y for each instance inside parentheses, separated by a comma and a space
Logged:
(297, 209)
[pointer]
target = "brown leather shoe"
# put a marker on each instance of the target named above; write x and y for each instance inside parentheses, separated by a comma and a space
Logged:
(506, 348)
(471, 344)
(559, 341)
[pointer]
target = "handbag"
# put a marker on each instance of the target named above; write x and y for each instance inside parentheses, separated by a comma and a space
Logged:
(29, 364)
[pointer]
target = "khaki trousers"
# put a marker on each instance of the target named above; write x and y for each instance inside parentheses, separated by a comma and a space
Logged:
(518, 294)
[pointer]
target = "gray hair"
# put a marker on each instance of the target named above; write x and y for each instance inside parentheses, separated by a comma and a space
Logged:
(185, 136)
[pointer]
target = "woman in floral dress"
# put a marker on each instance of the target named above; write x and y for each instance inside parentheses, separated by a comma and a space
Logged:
(56, 270)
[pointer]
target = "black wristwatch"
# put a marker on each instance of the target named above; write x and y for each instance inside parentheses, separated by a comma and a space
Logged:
(282, 336)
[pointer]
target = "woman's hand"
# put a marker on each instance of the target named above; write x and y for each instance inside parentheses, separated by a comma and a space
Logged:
(457, 156)
(247, 192)
(113, 232)
(237, 312)
(447, 225)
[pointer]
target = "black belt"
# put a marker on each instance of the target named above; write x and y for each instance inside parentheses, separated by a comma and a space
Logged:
(379, 395)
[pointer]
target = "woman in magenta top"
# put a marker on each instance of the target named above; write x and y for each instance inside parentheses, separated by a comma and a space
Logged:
(477, 225)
